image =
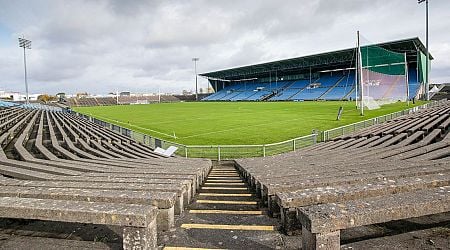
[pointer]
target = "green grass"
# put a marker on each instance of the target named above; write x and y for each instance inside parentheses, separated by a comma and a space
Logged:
(233, 123)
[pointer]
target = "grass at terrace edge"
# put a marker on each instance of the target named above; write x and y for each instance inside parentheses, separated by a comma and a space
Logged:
(234, 123)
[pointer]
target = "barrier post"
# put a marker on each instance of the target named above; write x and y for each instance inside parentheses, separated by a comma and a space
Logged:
(218, 152)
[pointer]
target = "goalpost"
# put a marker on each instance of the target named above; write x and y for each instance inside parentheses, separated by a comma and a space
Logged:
(382, 76)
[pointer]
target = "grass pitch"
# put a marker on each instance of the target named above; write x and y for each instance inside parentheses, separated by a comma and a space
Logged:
(233, 123)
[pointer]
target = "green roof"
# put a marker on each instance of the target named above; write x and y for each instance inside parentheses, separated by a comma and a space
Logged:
(329, 59)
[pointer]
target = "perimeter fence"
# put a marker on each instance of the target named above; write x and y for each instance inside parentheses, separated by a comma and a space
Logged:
(355, 127)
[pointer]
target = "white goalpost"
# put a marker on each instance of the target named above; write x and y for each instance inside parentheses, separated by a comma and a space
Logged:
(382, 76)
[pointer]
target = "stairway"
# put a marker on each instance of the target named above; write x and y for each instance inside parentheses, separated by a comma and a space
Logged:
(331, 88)
(224, 215)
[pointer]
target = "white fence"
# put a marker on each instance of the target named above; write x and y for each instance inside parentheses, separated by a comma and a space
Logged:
(222, 152)
(354, 127)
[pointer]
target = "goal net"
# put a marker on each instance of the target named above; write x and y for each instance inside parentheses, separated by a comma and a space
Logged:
(384, 76)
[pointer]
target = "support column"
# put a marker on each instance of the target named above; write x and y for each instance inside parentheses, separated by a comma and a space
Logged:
(140, 237)
(323, 241)
(179, 205)
(258, 190)
(272, 206)
(166, 219)
(289, 221)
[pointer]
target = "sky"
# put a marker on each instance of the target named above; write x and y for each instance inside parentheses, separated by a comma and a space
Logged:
(102, 46)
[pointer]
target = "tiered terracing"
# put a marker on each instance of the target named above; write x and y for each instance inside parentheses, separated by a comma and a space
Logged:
(107, 101)
(59, 167)
(391, 171)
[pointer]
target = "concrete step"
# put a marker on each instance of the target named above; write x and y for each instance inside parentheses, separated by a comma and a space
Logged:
(224, 184)
(234, 212)
(231, 219)
(224, 239)
(202, 206)
(228, 190)
(225, 215)
(227, 197)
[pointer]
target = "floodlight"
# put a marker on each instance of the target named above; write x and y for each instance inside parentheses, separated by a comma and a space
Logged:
(195, 60)
(25, 44)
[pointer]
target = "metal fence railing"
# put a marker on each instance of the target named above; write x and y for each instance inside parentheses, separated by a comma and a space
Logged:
(355, 127)
(223, 152)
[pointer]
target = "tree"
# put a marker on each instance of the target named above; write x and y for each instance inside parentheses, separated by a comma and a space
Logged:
(46, 98)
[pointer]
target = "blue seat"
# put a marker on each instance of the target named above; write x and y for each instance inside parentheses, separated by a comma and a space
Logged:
(413, 83)
(342, 89)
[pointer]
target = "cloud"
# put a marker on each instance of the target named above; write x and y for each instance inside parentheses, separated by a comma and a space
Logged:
(102, 46)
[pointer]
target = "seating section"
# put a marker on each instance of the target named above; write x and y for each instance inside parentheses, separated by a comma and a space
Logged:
(248, 91)
(343, 89)
(290, 90)
(230, 89)
(83, 102)
(391, 171)
(318, 88)
(339, 85)
(7, 104)
(330, 86)
(40, 106)
(60, 167)
(106, 101)
(33, 105)
(413, 83)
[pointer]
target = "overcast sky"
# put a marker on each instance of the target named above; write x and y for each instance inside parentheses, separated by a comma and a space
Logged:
(101, 46)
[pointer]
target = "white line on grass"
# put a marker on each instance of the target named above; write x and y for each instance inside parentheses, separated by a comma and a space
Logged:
(239, 128)
(178, 120)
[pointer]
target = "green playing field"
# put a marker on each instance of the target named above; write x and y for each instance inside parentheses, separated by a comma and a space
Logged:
(232, 123)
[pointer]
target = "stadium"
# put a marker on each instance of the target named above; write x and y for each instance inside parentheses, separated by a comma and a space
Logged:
(281, 85)
(345, 149)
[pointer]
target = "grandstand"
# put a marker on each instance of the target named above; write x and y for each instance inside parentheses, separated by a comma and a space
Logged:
(107, 101)
(326, 76)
